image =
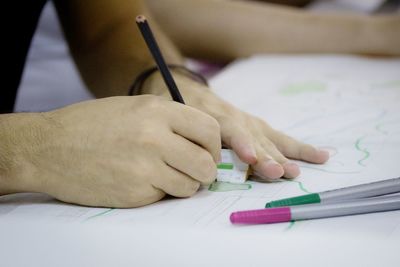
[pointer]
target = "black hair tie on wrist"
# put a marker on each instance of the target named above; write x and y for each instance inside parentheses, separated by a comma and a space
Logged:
(141, 78)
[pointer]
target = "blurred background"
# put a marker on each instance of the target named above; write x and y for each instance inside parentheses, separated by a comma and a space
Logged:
(50, 79)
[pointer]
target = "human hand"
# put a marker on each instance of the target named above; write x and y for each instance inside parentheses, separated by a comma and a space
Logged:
(253, 140)
(123, 152)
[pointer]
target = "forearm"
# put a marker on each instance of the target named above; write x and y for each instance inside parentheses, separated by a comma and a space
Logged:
(19, 136)
(108, 48)
(225, 30)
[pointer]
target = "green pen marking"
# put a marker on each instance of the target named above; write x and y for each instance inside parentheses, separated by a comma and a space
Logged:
(378, 127)
(290, 226)
(389, 84)
(225, 166)
(99, 214)
(293, 201)
(303, 87)
(225, 186)
(364, 150)
(301, 186)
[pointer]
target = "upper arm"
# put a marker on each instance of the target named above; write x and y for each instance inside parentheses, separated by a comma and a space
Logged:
(86, 22)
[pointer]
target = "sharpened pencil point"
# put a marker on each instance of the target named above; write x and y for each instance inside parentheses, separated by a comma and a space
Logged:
(140, 19)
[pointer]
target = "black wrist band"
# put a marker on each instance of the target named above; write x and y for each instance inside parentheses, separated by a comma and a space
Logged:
(141, 78)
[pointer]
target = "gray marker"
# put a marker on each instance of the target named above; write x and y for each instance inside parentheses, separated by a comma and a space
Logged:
(315, 211)
(379, 188)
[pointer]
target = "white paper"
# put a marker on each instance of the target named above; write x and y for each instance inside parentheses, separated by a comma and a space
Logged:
(348, 105)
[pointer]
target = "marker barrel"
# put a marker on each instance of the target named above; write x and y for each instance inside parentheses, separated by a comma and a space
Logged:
(379, 188)
(353, 207)
(315, 211)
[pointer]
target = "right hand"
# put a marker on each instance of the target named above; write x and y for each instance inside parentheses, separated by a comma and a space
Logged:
(124, 151)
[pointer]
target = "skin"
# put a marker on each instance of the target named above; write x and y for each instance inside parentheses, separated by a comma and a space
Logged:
(222, 30)
(132, 151)
(133, 154)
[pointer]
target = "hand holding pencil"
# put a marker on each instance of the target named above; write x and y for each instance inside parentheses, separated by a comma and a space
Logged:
(254, 141)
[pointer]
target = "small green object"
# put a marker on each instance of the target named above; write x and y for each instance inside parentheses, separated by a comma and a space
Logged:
(225, 166)
(225, 187)
(293, 201)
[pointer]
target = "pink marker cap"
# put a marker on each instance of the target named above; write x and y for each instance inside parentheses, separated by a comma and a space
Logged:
(271, 215)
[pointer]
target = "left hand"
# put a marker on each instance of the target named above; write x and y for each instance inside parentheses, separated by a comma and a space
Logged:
(254, 141)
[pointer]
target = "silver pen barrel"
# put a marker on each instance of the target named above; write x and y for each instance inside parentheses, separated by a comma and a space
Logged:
(359, 206)
(362, 191)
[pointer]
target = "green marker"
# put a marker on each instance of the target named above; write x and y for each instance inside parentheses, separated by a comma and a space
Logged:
(379, 188)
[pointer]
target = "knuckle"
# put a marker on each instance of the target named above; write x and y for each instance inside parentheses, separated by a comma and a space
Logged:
(189, 188)
(212, 131)
(147, 137)
(150, 103)
(208, 169)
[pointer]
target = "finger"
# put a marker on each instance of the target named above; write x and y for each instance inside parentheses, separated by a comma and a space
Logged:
(154, 196)
(198, 127)
(175, 183)
(190, 159)
(291, 169)
(297, 150)
(266, 166)
(240, 140)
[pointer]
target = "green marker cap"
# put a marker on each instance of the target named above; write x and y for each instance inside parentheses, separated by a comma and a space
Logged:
(293, 201)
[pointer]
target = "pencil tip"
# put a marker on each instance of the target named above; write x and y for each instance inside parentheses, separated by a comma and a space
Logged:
(140, 19)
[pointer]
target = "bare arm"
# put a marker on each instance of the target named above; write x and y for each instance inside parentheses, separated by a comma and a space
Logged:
(224, 30)
(106, 43)
(19, 133)
(131, 151)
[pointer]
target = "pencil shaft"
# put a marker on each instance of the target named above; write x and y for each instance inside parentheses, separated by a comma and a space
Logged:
(159, 59)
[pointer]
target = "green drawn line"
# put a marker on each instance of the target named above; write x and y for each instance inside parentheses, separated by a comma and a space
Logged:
(301, 186)
(290, 226)
(389, 84)
(365, 151)
(100, 214)
(329, 171)
(379, 129)
(303, 87)
(224, 187)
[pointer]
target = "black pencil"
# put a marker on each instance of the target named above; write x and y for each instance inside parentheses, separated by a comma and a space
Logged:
(148, 36)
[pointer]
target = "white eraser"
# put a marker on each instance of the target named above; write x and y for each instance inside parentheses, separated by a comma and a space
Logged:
(231, 169)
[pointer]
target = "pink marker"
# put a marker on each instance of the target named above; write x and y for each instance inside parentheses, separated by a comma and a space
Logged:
(272, 215)
(315, 211)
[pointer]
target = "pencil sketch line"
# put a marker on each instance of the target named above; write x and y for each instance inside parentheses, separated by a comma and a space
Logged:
(223, 211)
(329, 171)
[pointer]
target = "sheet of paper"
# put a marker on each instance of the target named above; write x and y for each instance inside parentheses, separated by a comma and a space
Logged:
(348, 105)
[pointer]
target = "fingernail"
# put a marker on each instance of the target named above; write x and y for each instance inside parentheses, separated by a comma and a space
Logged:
(273, 169)
(292, 170)
(324, 154)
